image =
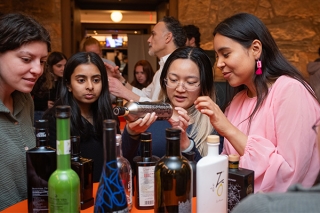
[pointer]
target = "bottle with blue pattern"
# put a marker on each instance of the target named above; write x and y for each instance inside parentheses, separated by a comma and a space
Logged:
(110, 196)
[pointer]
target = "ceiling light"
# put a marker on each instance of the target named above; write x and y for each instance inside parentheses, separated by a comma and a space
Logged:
(116, 16)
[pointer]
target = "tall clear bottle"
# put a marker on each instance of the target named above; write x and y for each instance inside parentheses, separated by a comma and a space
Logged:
(84, 168)
(41, 163)
(110, 196)
(173, 176)
(240, 182)
(64, 183)
(132, 111)
(125, 171)
(144, 173)
(212, 179)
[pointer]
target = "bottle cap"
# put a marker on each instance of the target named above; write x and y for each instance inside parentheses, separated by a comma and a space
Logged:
(145, 137)
(213, 139)
(75, 145)
(109, 124)
(42, 124)
(233, 157)
(173, 133)
(63, 111)
(119, 111)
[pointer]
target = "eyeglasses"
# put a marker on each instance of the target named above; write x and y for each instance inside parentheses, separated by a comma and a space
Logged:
(188, 86)
(315, 126)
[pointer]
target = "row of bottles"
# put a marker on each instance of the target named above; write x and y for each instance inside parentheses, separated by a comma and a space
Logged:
(167, 184)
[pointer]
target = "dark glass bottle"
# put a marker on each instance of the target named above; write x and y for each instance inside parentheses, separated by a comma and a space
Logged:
(84, 168)
(132, 111)
(173, 176)
(190, 156)
(110, 196)
(64, 183)
(119, 102)
(125, 171)
(41, 163)
(240, 182)
(144, 170)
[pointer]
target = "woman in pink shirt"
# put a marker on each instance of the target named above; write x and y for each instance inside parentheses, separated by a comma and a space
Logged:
(268, 120)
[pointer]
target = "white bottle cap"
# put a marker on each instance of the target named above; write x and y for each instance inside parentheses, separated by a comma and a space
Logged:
(213, 139)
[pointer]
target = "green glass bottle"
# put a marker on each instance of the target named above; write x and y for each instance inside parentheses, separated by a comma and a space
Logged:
(172, 178)
(64, 183)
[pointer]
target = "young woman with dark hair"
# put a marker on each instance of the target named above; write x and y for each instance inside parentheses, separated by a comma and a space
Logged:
(85, 89)
(268, 119)
(24, 47)
(186, 75)
(46, 89)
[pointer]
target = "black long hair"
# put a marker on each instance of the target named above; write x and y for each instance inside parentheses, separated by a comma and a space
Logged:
(244, 28)
(101, 109)
(203, 62)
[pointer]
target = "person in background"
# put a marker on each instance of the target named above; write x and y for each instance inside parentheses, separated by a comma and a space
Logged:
(186, 75)
(24, 47)
(268, 119)
(116, 58)
(313, 68)
(166, 36)
(85, 89)
(40, 94)
(124, 69)
(193, 35)
(91, 44)
(55, 66)
(143, 74)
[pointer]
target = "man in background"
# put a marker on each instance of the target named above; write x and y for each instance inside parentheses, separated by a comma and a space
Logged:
(166, 36)
(193, 35)
(91, 44)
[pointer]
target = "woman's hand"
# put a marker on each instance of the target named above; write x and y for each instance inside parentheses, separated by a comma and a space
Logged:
(221, 123)
(180, 119)
(142, 124)
(217, 118)
(50, 104)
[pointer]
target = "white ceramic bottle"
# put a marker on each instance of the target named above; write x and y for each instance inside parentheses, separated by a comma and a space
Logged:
(212, 179)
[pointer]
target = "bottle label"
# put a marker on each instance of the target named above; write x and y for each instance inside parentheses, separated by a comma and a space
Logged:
(146, 185)
(40, 199)
(63, 147)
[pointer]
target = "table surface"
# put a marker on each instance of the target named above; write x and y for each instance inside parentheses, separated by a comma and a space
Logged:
(22, 207)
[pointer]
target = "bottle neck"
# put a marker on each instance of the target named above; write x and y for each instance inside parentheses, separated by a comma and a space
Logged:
(42, 137)
(233, 164)
(109, 145)
(213, 149)
(173, 147)
(119, 150)
(63, 143)
(146, 149)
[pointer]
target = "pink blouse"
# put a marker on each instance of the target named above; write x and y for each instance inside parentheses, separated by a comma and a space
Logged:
(282, 147)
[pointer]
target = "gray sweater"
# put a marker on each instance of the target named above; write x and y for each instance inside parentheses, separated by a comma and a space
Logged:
(16, 136)
(296, 200)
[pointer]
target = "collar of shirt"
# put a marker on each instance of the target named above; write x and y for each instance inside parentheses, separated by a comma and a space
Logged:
(163, 60)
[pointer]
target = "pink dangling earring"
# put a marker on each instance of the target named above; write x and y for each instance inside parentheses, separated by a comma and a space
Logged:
(259, 66)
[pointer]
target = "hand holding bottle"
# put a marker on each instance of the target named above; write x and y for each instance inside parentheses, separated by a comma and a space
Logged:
(141, 125)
